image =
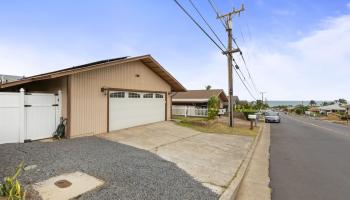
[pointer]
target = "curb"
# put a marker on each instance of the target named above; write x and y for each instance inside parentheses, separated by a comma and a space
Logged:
(232, 190)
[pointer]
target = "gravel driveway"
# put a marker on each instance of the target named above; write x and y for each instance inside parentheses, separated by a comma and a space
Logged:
(129, 173)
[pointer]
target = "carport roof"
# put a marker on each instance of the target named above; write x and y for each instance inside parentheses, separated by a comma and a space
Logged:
(148, 60)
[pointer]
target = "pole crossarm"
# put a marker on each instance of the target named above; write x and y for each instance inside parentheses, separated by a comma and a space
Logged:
(231, 51)
(234, 12)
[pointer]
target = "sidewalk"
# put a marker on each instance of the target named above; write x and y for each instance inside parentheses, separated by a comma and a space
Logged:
(255, 185)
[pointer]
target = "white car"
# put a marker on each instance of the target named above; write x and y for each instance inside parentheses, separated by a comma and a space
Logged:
(272, 117)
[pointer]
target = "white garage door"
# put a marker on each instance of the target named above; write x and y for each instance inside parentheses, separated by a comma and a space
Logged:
(128, 109)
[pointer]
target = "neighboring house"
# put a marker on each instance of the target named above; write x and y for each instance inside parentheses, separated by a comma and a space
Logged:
(107, 95)
(312, 111)
(235, 101)
(8, 78)
(331, 109)
(198, 98)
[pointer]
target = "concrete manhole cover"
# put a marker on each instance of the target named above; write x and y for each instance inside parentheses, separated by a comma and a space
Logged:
(67, 186)
(63, 183)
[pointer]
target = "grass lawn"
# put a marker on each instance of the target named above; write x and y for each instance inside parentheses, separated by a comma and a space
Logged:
(216, 126)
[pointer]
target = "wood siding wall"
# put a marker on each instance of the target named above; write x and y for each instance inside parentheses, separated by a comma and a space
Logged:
(89, 105)
(50, 86)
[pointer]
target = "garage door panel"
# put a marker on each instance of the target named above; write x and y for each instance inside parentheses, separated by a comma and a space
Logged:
(128, 112)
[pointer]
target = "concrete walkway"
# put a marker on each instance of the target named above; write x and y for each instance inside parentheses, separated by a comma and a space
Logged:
(211, 159)
(255, 185)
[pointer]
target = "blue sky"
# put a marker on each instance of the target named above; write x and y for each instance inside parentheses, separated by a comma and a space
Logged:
(294, 49)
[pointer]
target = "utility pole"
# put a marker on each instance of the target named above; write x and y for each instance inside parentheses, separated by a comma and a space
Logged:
(228, 24)
(262, 97)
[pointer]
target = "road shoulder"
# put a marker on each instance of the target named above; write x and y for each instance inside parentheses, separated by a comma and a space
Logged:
(255, 184)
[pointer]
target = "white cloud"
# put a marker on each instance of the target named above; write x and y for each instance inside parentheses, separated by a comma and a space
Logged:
(316, 66)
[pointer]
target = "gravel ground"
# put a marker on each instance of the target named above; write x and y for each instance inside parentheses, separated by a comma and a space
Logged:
(129, 173)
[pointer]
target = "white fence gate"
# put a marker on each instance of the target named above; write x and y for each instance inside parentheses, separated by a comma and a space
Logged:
(28, 116)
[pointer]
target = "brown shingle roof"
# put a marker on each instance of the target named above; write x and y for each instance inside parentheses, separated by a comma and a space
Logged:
(148, 60)
(201, 94)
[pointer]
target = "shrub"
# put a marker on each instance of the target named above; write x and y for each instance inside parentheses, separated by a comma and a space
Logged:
(11, 188)
(298, 111)
(213, 107)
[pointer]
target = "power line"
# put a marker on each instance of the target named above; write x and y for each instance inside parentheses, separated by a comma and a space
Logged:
(245, 80)
(198, 25)
(216, 10)
(216, 44)
(245, 86)
(249, 74)
(200, 14)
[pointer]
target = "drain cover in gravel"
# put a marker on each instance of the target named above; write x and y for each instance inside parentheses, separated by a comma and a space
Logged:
(67, 186)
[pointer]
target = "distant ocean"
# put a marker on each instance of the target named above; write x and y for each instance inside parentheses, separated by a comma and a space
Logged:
(290, 103)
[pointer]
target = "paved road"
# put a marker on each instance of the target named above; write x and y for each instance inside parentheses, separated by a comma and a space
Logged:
(310, 159)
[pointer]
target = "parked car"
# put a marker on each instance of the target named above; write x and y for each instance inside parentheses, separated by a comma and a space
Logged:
(272, 117)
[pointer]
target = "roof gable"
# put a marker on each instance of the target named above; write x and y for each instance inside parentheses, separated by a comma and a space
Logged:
(147, 60)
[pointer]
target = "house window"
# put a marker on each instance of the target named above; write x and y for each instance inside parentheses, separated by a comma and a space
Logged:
(148, 95)
(134, 95)
(117, 95)
(159, 96)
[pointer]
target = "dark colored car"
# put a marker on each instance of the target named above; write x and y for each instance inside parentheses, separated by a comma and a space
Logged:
(272, 117)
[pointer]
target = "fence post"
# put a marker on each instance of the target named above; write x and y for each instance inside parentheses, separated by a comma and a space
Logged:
(59, 108)
(22, 131)
(186, 111)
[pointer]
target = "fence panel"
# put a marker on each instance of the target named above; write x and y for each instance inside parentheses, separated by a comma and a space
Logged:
(9, 112)
(189, 111)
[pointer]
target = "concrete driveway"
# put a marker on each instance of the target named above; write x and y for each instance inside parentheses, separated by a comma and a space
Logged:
(211, 159)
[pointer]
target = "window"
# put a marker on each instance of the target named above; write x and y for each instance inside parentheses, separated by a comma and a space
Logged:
(134, 95)
(148, 95)
(117, 95)
(159, 96)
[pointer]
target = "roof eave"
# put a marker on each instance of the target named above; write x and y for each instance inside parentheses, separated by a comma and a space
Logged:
(175, 85)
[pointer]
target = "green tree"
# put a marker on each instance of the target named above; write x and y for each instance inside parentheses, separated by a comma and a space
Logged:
(213, 107)
(300, 109)
(325, 103)
(208, 87)
(312, 103)
(342, 101)
(259, 105)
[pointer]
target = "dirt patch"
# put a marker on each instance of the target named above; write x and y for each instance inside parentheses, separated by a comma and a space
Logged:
(31, 194)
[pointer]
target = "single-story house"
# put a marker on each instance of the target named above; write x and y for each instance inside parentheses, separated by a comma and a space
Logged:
(107, 95)
(331, 109)
(235, 101)
(198, 98)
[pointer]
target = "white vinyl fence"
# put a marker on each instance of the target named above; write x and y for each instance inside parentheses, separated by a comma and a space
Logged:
(28, 116)
(190, 111)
